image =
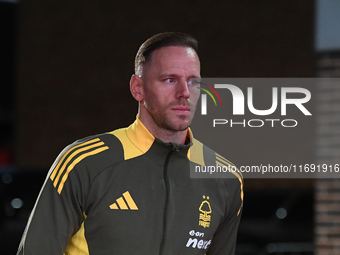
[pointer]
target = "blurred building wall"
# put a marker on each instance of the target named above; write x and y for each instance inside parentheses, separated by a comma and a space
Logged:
(327, 191)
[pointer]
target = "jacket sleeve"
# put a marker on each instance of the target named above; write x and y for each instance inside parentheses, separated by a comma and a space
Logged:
(58, 211)
(224, 239)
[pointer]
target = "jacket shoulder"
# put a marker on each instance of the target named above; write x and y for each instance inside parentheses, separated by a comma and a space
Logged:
(205, 156)
(88, 156)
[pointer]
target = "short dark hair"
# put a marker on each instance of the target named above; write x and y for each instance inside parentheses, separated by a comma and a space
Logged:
(163, 40)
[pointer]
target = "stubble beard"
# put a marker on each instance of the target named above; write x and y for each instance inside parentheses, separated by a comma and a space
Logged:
(159, 114)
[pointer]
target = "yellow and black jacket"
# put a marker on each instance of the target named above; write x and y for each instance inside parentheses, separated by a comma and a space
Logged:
(126, 192)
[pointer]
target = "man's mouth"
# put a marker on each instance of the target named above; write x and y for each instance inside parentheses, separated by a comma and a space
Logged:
(181, 109)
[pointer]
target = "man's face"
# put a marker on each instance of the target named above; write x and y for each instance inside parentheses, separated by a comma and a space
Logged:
(170, 93)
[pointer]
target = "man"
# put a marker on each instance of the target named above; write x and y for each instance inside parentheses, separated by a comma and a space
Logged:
(129, 191)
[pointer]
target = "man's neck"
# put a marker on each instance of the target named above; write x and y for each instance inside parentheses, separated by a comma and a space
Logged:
(166, 135)
(178, 137)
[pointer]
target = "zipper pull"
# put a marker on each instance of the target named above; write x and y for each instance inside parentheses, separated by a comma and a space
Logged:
(175, 147)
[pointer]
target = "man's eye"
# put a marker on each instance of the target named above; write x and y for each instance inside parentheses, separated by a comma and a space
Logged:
(170, 80)
(194, 82)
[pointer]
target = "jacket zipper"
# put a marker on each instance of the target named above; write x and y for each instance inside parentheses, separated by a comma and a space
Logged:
(167, 191)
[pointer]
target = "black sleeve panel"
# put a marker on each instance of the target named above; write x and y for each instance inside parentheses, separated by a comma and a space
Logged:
(60, 207)
(53, 220)
(224, 239)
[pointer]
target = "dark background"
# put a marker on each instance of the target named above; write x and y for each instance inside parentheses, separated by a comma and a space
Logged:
(75, 61)
(65, 70)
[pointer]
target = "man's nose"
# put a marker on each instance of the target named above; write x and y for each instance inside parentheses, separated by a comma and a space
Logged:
(183, 89)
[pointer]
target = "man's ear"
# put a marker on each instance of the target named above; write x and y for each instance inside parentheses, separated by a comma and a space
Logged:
(136, 87)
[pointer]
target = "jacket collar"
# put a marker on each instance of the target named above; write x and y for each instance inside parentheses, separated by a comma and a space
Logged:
(141, 137)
